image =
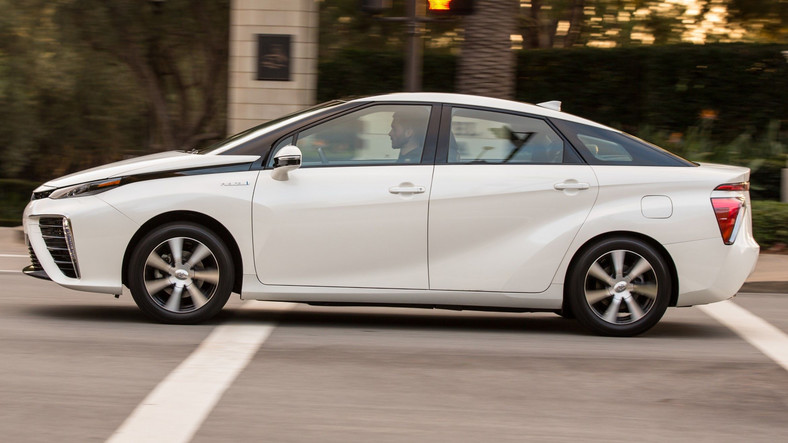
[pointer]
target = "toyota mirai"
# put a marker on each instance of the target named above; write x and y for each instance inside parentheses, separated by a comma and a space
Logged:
(412, 199)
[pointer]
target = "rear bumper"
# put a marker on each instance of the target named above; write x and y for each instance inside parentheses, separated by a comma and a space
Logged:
(709, 271)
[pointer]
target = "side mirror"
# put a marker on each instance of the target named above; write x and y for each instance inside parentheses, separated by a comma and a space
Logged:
(286, 160)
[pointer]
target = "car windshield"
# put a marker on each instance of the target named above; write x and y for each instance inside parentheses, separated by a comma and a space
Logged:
(254, 131)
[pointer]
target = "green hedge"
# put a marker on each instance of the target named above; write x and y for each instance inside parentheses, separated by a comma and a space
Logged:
(743, 86)
(14, 196)
(770, 223)
(664, 87)
(353, 73)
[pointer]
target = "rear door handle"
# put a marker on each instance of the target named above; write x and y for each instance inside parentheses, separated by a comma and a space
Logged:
(571, 185)
(407, 189)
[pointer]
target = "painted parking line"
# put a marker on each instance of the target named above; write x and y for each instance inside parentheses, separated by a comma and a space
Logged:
(768, 339)
(176, 408)
(10, 271)
(14, 256)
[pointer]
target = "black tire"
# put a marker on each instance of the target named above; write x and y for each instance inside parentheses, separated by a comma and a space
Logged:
(185, 290)
(619, 287)
(566, 312)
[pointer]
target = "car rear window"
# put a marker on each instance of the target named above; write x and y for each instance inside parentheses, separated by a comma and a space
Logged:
(599, 146)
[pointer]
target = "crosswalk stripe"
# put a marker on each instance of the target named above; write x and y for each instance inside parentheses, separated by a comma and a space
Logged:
(767, 338)
(176, 408)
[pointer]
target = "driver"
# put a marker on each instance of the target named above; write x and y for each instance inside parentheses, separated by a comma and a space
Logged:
(408, 129)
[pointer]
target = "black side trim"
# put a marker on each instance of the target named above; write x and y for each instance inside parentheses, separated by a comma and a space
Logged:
(241, 167)
(42, 194)
(427, 306)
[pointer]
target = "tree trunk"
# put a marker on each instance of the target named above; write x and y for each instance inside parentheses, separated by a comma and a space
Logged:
(178, 56)
(487, 62)
(576, 20)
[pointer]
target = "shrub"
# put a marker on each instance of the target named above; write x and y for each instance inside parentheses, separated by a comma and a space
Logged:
(740, 87)
(770, 223)
(14, 195)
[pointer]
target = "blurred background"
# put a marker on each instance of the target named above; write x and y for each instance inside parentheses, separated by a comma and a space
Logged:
(86, 82)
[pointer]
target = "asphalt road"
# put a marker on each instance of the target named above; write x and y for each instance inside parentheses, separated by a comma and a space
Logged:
(76, 366)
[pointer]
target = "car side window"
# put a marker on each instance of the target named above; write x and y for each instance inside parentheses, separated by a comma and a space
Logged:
(375, 135)
(605, 150)
(495, 137)
(601, 146)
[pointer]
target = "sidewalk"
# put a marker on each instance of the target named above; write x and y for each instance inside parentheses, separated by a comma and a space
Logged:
(770, 275)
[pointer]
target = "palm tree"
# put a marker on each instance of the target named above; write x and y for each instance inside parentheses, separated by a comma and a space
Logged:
(487, 62)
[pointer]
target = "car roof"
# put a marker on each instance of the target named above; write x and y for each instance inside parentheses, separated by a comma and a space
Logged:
(476, 100)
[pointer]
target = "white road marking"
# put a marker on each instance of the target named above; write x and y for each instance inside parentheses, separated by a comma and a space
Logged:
(176, 408)
(768, 339)
(10, 271)
(13, 256)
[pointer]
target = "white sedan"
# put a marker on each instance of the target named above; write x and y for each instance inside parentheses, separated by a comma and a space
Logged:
(422, 200)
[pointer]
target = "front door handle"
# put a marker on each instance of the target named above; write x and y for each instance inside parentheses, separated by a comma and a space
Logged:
(407, 189)
(571, 185)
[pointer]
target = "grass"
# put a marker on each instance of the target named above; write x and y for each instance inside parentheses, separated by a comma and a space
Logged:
(770, 223)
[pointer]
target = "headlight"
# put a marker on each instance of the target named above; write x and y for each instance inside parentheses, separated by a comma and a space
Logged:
(83, 189)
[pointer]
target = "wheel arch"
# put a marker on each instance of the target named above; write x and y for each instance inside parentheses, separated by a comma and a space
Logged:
(192, 217)
(674, 290)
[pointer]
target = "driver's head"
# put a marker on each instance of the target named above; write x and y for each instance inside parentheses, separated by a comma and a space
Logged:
(406, 125)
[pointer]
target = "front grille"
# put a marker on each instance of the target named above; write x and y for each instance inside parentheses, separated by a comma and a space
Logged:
(34, 263)
(53, 232)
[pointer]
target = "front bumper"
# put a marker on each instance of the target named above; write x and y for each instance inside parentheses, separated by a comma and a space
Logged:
(32, 271)
(95, 245)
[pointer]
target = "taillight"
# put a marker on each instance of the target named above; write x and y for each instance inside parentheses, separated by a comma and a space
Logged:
(727, 211)
(743, 186)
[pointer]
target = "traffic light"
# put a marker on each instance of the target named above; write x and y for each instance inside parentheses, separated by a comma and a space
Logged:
(450, 7)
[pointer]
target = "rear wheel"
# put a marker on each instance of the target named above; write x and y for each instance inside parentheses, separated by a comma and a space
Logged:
(619, 287)
(181, 273)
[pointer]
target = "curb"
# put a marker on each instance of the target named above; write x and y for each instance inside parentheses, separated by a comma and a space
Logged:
(765, 287)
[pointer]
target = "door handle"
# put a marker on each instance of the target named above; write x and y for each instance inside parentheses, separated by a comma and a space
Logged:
(571, 185)
(407, 189)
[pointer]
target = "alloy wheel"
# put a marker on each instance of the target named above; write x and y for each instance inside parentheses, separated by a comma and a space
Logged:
(621, 287)
(181, 275)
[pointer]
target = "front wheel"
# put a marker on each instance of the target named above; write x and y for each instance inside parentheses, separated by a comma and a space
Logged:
(619, 287)
(181, 273)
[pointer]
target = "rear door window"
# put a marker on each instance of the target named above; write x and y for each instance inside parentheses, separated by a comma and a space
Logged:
(480, 136)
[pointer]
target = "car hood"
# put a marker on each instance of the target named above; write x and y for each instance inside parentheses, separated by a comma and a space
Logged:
(160, 162)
